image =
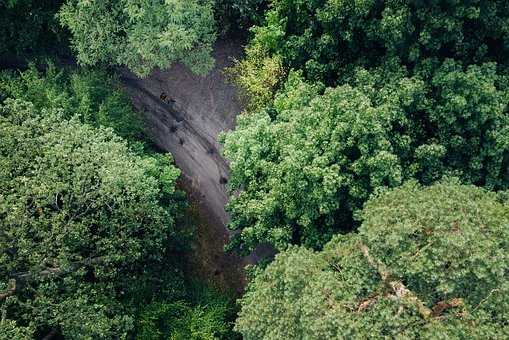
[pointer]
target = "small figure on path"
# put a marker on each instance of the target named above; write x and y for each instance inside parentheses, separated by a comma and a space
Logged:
(165, 98)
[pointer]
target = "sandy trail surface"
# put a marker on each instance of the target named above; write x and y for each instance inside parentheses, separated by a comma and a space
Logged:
(188, 127)
(186, 122)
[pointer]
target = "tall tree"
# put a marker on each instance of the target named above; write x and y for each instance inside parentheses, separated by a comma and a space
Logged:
(427, 263)
(81, 215)
(305, 165)
(142, 34)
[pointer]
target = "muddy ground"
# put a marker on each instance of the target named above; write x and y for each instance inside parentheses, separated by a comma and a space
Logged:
(184, 114)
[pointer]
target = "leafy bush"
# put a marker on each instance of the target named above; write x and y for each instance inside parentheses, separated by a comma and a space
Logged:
(93, 96)
(257, 77)
(426, 263)
(204, 315)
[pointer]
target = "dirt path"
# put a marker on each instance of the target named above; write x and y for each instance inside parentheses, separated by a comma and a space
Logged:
(187, 124)
(188, 128)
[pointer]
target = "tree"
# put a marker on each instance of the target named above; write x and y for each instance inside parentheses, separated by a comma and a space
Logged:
(29, 28)
(92, 95)
(142, 34)
(324, 38)
(302, 167)
(81, 215)
(386, 91)
(426, 263)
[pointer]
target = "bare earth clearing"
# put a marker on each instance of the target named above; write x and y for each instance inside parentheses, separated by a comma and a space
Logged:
(187, 124)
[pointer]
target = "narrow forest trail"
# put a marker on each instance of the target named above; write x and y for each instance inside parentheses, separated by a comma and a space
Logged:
(197, 109)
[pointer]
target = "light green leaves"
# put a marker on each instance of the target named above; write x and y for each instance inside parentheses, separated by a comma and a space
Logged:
(77, 204)
(306, 163)
(140, 34)
(444, 247)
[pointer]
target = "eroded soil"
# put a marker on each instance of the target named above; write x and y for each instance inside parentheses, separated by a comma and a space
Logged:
(184, 114)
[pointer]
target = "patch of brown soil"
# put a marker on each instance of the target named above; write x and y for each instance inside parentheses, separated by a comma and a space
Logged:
(206, 259)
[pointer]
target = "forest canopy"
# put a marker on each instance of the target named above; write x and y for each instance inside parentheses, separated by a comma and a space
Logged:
(374, 154)
(371, 157)
(91, 218)
(426, 263)
(375, 94)
(313, 159)
(93, 231)
(327, 39)
(142, 35)
(78, 209)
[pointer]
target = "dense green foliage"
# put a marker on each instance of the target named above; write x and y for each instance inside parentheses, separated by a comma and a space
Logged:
(90, 245)
(239, 14)
(257, 77)
(427, 263)
(29, 27)
(406, 103)
(142, 35)
(77, 209)
(308, 163)
(373, 153)
(204, 315)
(346, 101)
(92, 95)
(325, 38)
(89, 219)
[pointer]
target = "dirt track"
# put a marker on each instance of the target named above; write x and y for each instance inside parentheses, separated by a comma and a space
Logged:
(188, 128)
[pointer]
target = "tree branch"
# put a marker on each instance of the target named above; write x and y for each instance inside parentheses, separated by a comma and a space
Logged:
(21, 278)
(10, 291)
(27, 276)
(399, 289)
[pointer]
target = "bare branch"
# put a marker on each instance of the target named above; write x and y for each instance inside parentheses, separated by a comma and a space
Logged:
(399, 289)
(486, 298)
